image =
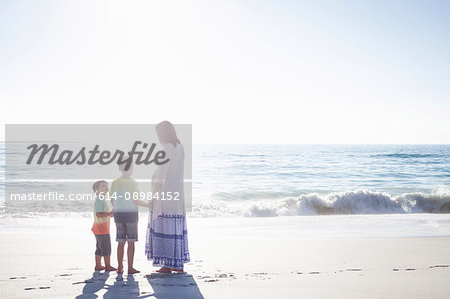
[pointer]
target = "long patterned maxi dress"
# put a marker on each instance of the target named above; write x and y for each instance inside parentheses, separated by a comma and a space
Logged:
(167, 241)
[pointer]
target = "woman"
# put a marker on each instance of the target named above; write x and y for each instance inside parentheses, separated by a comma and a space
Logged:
(167, 243)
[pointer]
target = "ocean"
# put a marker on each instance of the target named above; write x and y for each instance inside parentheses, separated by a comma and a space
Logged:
(288, 180)
(284, 180)
(311, 191)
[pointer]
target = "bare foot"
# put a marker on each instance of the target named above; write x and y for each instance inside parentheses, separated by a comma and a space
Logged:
(110, 268)
(120, 270)
(177, 270)
(133, 271)
(164, 270)
(98, 268)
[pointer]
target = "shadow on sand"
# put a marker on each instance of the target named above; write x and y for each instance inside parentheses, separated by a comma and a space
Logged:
(93, 285)
(176, 285)
(121, 288)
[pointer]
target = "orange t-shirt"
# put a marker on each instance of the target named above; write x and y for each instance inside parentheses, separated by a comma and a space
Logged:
(101, 224)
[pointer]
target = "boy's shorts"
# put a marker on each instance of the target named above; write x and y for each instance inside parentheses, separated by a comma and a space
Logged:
(103, 245)
(127, 232)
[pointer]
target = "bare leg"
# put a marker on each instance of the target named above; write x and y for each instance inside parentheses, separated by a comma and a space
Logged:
(108, 266)
(120, 252)
(177, 270)
(130, 254)
(98, 263)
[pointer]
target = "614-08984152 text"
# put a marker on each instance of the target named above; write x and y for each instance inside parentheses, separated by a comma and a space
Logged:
(58, 196)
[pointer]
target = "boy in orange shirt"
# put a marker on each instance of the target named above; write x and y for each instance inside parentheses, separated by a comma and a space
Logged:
(100, 228)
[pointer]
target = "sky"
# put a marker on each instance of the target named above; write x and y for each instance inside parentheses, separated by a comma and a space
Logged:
(239, 71)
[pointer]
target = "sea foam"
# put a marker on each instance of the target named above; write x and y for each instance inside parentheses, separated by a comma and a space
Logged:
(349, 202)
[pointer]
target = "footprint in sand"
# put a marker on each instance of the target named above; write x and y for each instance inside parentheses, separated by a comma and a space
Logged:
(211, 280)
(257, 274)
(85, 281)
(439, 266)
(351, 270)
(203, 277)
(314, 272)
(63, 275)
(396, 269)
(22, 277)
(79, 282)
(410, 269)
(41, 288)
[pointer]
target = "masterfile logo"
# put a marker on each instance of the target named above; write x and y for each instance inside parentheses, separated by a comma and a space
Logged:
(94, 156)
(51, 168)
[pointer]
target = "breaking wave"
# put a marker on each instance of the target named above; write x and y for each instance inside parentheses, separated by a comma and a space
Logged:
(350, 202)
(336, 203)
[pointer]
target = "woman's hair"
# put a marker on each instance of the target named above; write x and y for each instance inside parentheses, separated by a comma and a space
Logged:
(166, 133)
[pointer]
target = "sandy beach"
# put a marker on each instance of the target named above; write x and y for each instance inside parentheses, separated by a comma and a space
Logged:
(283, 149)
(230, 258)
